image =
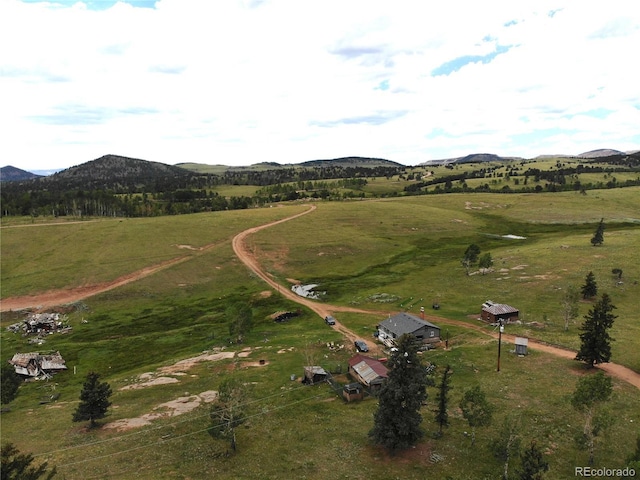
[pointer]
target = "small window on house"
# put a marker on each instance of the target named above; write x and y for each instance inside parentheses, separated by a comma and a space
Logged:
(432, 333)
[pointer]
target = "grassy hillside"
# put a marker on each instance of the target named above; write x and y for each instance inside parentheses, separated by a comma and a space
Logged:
(411, 249)
(408, 248)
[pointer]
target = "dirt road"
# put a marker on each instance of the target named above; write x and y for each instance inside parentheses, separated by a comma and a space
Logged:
(249, 259)
(61, 297)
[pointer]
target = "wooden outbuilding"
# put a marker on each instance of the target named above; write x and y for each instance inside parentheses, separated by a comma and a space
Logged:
(496, 312)
(368, 371)
(314, 374)
(352, 392)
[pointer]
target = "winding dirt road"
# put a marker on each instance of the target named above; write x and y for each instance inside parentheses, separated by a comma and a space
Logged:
(244, 253)
(248, 258)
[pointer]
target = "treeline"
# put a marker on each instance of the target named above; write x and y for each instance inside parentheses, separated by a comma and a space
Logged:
(93, 192)
(462, 187)
(560, 179)
(291, 175)
(100, 203)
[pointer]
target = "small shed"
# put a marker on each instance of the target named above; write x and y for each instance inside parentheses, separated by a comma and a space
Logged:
(314, 374)
(496, 312)
(521, 345)
(368, 371)
(353, 391)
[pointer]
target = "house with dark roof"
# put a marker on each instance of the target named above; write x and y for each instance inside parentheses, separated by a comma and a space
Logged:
(498, 312)
(367, 371)
(404, 323)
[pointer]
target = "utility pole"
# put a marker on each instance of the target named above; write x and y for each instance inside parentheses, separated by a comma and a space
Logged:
(500, 330)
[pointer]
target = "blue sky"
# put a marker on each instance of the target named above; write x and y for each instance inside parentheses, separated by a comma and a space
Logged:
(238, 82)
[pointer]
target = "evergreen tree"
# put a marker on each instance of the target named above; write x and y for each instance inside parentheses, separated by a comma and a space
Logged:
(442, 416)
(533, 464)
(94, 400)
(17, 466)
(590, 287)
(590, 392)
(598, 236)
(397, 420)
(595, 346)
(10, 383)
(476, 410)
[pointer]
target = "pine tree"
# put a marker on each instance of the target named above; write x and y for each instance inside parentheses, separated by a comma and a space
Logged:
(533, 464)
(11, 382)
(442, 416)
(598, 236)
(595, 346)
(590, 287)
(17, 466)
(94, 400)
(397, 420)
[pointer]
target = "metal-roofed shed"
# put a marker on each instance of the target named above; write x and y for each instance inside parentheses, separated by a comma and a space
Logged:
(368, 371)
(495, 312)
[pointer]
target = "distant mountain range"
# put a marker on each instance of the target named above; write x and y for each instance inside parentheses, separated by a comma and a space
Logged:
(490, 157)
(117, 167)
(10, 174)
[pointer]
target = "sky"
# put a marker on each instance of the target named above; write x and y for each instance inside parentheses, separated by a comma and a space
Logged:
(238, 82)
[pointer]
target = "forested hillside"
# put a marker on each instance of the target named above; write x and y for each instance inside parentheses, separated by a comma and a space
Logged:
(120, 186)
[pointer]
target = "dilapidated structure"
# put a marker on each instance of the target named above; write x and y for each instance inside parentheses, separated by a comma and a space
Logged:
(314, 374)
(41, 324)
(35, 365)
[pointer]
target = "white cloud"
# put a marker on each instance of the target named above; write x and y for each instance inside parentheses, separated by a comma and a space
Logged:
(287, 81)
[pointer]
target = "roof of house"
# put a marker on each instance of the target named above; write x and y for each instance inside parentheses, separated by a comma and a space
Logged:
(498, 308)
(522, 341)
(402, 323)
(367, 368)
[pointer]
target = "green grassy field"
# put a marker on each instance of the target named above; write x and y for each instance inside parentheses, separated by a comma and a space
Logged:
(406, 247)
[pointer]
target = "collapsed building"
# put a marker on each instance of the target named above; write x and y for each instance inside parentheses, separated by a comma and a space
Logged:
(35, 365)
(41, 324)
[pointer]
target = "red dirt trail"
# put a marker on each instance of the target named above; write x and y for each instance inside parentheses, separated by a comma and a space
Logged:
(60, 297)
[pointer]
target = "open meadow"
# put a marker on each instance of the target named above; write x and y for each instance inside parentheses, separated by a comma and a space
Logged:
(385, 255)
